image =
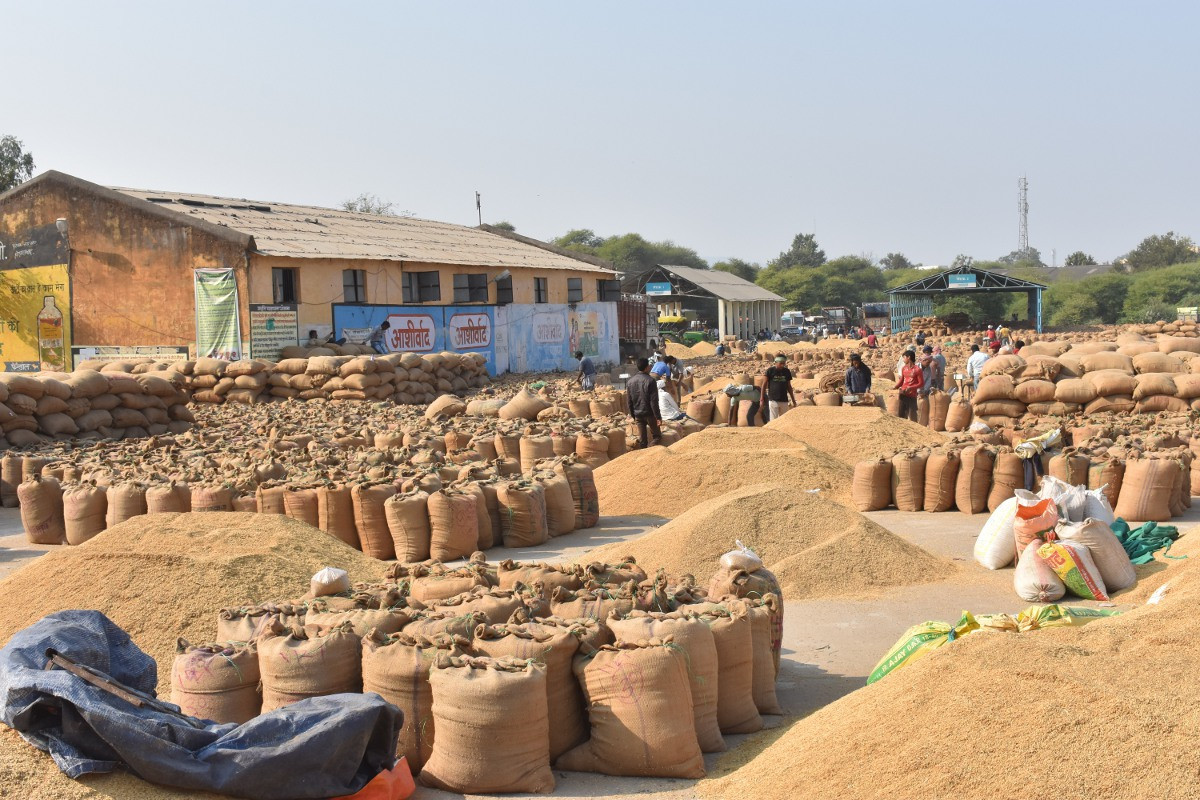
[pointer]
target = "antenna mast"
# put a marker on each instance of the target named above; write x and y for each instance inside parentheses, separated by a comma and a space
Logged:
(1023, 212)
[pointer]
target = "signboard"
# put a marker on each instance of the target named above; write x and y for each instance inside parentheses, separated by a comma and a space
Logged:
(1188, 312)
(411, 333)
(587, 331)
(35, 319)
(966, 281)
(157, 352)
(659, 287)
(469, 331)
(549, 327)
(273, 328)
(218, 328)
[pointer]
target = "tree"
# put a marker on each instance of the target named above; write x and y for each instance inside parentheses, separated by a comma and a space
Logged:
(1161, 251)
(504, 225)
(1154, 290)
(1029, 256)
(1079, 259)
(16, 166)
(895, 261)
(736, 266)
(804, 252)
(367, 203)
(845, 281)
(632, 254)
(581, 240)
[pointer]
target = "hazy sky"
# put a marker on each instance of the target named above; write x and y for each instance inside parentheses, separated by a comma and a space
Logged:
(727, 127)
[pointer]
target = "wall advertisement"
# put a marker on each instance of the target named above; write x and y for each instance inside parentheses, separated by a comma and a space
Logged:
(513, 338)
(272, 328)
(35, 300)
(218, 326)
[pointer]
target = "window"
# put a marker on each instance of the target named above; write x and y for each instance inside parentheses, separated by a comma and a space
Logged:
(285, 286)
(574, 290)
(421, 287)
(608, 291)
(470, 288)
(541, 293)
(504, 291)
(354, 286)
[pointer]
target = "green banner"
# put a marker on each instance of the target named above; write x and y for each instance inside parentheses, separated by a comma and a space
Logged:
(218, 327)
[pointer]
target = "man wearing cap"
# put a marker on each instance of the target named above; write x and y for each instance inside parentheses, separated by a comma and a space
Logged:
(779, 388)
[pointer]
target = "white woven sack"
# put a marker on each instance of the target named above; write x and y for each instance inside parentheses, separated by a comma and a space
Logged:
(996, 546)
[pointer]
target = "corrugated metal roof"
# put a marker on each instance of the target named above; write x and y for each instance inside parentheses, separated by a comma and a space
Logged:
(723, 285)
(283, 229)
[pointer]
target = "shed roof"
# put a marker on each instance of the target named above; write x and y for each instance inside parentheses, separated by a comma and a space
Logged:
(985, 281)
(722, 285)
(295, 231)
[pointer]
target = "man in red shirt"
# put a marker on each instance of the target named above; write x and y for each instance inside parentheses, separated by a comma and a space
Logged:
(911, 382)
(872, 341)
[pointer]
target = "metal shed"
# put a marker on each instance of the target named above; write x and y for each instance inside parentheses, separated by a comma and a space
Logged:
(916, 299)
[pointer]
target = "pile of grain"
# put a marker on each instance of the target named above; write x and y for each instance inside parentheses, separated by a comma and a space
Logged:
(703, 349)
(1120, 690)
(679, 350)
(853, 434)
(666, 482)
(167, 575)
(816, 547)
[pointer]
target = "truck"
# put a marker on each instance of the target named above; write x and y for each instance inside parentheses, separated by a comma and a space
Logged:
(839, 316)
(877, 316)
(637, 326)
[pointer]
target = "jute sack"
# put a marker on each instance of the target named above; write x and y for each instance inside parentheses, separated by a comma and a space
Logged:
(871, 489)
(1109, 475)
(84, 507)
(939, 409)
(583, 491)
(300, 503)
(42, 510)
(908, 480)
(522, 514)
(510, 573)
(688, 631)
(370, 519)
(453, 524)
(762, 611)
(493, 733)
(525, 404)
(556, 648)
(433, 622)
(296, 663)
(597, 604)
(733, 581)
(639, 727)
(248, 623)
(335, 514)
(217, 681)
(1075, 390)
(533, 449)
(361, 620)
(211, 498)
(169, 498)
(1147, 490)
(496, 605)
(396, 667)
(1007, 477)
(126, 499)
(734, 637)
(958, 417)
(484, 534)
(941, 476)
(994, 387)
(974, 479)
(560, 504)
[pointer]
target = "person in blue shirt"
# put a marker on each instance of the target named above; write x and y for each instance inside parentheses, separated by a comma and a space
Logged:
(587, 371)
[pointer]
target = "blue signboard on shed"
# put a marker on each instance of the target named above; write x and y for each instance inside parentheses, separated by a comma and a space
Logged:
(961, 281)
(659, 287)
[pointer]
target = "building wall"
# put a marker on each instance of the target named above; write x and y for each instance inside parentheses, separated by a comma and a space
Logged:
(320, 284)
(131, 271)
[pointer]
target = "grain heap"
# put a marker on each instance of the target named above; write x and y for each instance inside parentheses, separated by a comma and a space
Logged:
(1080, 686)
(815, 547)
(166, 576)
(852, 434)
(664, 482)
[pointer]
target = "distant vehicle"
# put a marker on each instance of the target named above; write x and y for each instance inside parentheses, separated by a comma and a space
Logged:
(637, 325)
(791, 319)
(791, 331)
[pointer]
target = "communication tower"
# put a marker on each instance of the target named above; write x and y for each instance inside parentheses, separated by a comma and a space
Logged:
(1023, 212)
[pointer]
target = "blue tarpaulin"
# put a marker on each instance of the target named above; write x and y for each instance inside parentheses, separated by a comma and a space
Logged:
(317, 748)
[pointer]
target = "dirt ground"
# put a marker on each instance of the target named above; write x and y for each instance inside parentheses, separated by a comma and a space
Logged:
(829, 646)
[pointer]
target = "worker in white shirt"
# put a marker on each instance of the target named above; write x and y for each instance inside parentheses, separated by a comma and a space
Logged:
(975, 365)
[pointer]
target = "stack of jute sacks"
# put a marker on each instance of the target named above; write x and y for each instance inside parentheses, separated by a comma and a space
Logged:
(41, 408)
(973, 478)
(505, 670)
(1056, 378)
(404, 378)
